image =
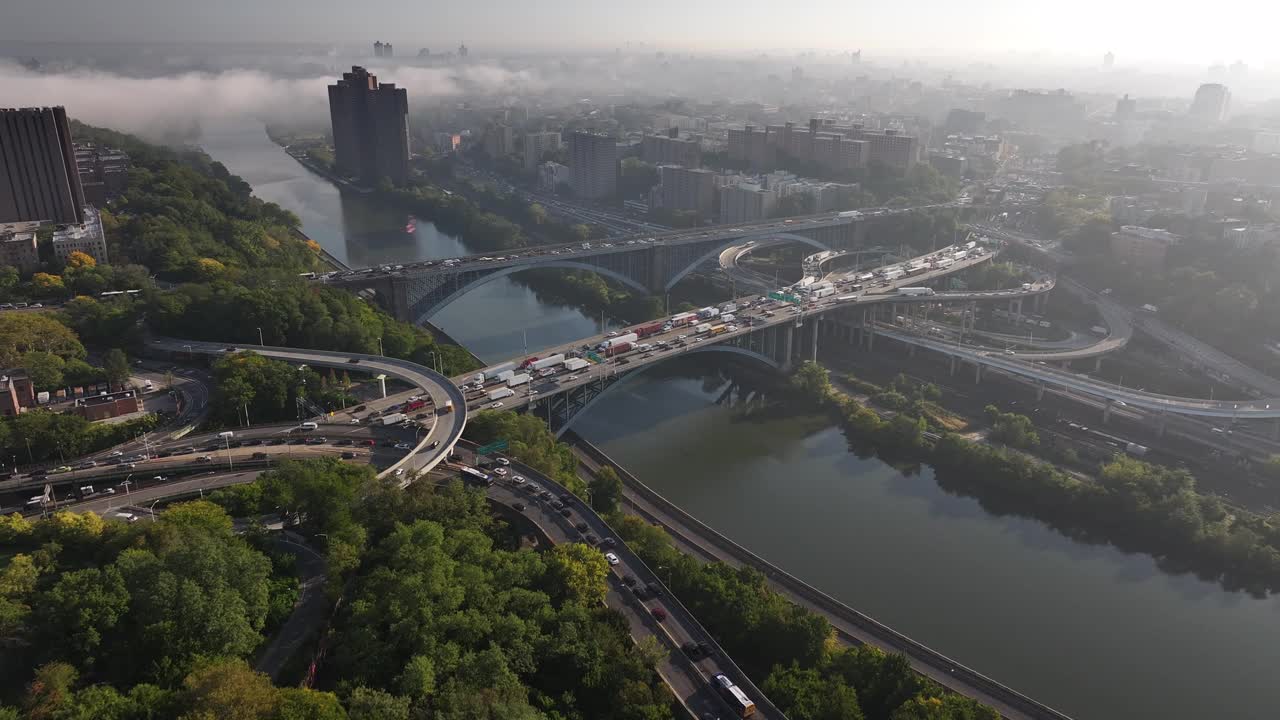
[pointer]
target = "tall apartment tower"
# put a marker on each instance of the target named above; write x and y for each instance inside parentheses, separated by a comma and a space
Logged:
(593, 165)
(38, 175)
(370, 128)
(1210, 103)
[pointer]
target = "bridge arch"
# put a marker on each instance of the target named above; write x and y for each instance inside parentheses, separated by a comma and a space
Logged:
(716, 251)
(630, 377)
(513, 269)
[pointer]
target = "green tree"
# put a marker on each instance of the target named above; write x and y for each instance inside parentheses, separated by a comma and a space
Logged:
(804, 694)
(606, 491)
(80, 613)
(579, 572)
(21, 333)
(115, 364)
(44, 369)
(369, 704)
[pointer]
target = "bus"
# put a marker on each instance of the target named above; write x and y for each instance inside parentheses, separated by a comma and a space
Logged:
(472, 476)
(733, 695)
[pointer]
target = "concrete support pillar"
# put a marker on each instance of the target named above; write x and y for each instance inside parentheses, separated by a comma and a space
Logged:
(786, 353)
(871, 337)
(1039, 391)
(817, 327)
(1106, 412)
(1097, 364)
(977, 373)
(953, 364)
(382, 384)
(398, 290)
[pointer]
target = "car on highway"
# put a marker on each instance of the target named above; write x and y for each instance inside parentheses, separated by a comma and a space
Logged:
(495, 405)
(613, 559)
(403, 446)
(114, 453)
(571, 378)
(317, 441)
(500, 472)
(658, 614)
(399, 472)
(434, 444)
(518, 506)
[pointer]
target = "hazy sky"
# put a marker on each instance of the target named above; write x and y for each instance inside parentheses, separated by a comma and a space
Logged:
(1137, 30)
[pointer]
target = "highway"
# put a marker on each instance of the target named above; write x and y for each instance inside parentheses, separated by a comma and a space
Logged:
(749, 320)
(687, 678)
(433, 446)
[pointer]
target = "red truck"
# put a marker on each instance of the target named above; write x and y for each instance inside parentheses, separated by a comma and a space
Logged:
(528, 361)
(617, 349)
(645, 331)
(414, 404)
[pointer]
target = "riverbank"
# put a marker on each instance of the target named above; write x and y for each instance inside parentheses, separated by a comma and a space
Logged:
(852, 628)
(1131, 505)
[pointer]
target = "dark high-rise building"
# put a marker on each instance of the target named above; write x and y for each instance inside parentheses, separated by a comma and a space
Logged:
(593, 165)
(38, 175)
(378, 49)
(370, 128)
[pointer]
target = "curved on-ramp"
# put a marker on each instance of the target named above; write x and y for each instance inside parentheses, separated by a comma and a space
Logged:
(447, 428)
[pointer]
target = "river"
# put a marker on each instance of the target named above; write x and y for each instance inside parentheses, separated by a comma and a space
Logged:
(1087, 629)
(492, 321)
(1084, 628)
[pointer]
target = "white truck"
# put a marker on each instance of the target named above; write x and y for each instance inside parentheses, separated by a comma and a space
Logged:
(1098, 330)
(518, 380)
(707, 313)
(576, 364)
(865, 277)
(493, 372)
(393, 419)
(915, 291)
(1135, 449)
(824, 292)
(684, 318)
(549, 361)
(728, 308)
(627, 338)
(505, 376)
(500, 393)
(703, 328)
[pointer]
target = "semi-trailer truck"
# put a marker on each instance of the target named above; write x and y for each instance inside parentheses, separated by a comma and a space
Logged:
(502, 392)
(707, 313)
(576, 364)
(549, 361)
(824, 292)
(393, 419)
(703, 328)
(915, 291)
(645, 331)
(493, 372)
(518, 380)
(505, 376)
(683, 319)
(627, 338)
(617, 349)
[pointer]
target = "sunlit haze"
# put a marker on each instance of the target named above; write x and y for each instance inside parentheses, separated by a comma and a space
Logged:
(1138, 31)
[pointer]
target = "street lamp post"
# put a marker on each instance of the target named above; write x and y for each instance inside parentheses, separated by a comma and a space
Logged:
(380, 352)
(226, 439)
(153, 510)
(260, 342)
(126, 484)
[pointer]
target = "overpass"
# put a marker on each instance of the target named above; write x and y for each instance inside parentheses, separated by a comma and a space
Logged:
(650, 264)
(765, 332)
(446, 430)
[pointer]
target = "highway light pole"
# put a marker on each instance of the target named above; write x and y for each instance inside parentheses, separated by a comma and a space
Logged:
(227, 440)
(260, 342)
(380, 347)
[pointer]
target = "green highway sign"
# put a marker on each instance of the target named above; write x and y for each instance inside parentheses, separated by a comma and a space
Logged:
(784, 297)
(594, 357)
(492, 447)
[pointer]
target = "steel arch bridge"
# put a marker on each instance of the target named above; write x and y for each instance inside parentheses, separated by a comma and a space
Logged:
(650, 268)
(562, 409)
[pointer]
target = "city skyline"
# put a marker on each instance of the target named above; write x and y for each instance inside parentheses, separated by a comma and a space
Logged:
(1136, 32)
